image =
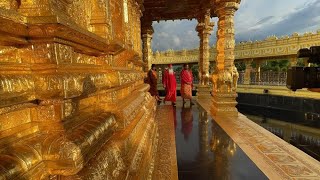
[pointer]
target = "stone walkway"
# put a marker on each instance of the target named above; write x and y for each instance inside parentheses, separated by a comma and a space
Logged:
(166, 159)
(276, 158)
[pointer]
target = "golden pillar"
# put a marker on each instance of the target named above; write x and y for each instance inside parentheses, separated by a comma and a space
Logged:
(225, 76)
(204, 29)
(147, 32)
(247, 73)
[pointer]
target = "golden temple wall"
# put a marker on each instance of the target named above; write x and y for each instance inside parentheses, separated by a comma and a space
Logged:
(270, 48)
(72, 100)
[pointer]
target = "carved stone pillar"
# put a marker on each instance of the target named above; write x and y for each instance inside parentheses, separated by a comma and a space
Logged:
(247, 73)
(225, 76)
(204, 29)
(147, 32)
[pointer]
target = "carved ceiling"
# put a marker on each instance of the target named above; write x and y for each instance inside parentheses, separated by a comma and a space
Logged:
(156, 10)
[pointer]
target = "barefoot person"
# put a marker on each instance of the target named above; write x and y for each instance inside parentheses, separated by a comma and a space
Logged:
(186, 83)
(153, 82)
(170, 85)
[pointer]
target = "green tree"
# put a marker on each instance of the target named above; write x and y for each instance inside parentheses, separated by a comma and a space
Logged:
(240, 65)
(195, 70)
(177, 69)
(275, 65)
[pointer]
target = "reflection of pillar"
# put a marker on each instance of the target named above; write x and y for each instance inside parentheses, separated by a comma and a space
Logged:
(247, 72)
(204, 29)
(258, 71)
(203, 135)
(147, 31)
(225, 76)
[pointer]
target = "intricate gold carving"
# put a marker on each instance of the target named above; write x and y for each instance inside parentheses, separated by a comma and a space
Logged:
(69, 92)
(225, 76)
(147, 32)
(204, 29)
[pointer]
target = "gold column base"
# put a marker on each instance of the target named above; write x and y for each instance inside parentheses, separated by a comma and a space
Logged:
(203, 92)
(224, 103)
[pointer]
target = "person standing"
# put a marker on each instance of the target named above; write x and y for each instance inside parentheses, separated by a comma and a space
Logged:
(153, 82)
(170, 85)
(186, 84)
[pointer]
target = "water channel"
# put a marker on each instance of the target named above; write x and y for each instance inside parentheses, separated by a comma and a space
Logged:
(205, 151)
(300, 131)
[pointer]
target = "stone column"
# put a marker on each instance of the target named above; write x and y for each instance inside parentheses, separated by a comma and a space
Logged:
(204, 29)
(225, 76)
(146, 34)
(247, 72)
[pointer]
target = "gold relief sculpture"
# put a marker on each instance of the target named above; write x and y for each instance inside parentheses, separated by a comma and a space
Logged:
(64, 99)
(204, 29)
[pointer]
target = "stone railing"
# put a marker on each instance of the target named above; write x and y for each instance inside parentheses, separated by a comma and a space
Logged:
(271, 47)
(270, 78)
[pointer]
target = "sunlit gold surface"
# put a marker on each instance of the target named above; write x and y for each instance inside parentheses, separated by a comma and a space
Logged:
(277, 90)
(276, 158)
(72, 99)
(73, 104)
(165, 164)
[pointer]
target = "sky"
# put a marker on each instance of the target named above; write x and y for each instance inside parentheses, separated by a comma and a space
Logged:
(255, 20)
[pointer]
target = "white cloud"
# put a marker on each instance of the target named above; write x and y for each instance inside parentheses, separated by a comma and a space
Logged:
(176, 41)
(255, 19)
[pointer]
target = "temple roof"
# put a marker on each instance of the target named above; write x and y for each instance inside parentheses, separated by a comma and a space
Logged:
(156, 10)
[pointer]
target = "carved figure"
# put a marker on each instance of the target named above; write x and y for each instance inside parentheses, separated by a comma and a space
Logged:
(235, 77)
(226, 78)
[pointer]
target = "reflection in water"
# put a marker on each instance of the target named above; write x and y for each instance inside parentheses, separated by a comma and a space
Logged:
(224, 149)
(203, 135)
(186, 121)
(175, 117)
(205, 151)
